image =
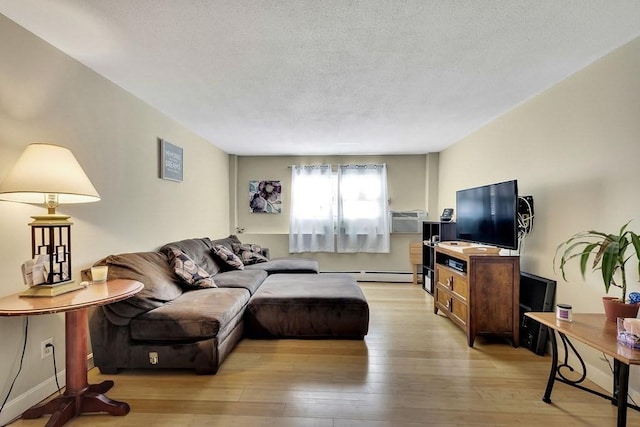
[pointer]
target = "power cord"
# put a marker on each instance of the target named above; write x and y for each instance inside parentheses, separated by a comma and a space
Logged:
(24, 347)
(525, 214)
(55, 369)
(525, 219)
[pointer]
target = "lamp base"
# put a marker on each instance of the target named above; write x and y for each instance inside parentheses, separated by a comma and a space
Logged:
(51, 219)
(51, 238)
(52, 290)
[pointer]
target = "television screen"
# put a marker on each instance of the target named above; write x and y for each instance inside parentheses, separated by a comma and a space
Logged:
(488, 215)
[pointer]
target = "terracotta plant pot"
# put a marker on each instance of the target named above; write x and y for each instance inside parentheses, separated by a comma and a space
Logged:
(613, 308)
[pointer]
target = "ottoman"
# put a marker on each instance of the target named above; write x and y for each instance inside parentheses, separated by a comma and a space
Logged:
(328, 305)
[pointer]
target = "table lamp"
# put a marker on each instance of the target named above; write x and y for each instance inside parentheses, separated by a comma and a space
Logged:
(49, 174)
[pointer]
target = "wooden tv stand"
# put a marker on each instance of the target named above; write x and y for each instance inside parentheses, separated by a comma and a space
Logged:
(478, 290)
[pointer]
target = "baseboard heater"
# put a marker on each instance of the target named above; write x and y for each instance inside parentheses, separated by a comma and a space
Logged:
(379, 276)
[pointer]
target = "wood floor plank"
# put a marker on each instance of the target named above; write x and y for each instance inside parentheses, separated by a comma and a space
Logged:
(414, 368)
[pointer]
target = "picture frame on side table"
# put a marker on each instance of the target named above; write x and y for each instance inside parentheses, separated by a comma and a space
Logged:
(171, 161)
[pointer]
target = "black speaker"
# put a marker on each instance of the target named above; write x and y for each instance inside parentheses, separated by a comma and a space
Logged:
(536, 294)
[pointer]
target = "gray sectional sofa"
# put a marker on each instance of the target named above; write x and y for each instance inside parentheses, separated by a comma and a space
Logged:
(175, 324)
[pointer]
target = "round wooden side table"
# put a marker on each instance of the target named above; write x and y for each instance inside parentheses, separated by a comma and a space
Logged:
(79, 396)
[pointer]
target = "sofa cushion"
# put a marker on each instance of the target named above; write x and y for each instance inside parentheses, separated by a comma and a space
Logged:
(287, 265)
(232, 242)
(227, 257)
(153, 271)
(227, 242)
(199, 250)
(249, 253)
(195, 315)
(192, 275)
(247, 279)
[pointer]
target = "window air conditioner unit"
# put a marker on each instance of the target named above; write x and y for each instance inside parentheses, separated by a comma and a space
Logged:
(407, 221)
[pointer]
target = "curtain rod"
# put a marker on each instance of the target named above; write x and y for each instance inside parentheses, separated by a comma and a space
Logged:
(337, 166)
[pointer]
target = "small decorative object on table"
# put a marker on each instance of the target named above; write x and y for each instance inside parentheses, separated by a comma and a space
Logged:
(634, 298)
(564, 312)
(99, 273)
(629, 332)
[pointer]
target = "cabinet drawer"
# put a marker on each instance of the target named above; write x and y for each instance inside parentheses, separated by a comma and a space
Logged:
(459, 312)
(443, 298)
(455, 282)
(452, 306)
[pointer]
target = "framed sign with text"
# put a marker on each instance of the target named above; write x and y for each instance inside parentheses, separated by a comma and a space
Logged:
(171, 161)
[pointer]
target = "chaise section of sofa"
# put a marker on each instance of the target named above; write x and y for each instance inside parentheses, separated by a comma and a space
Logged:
(308, 306)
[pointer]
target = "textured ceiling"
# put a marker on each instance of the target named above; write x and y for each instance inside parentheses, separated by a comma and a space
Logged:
(332, 77)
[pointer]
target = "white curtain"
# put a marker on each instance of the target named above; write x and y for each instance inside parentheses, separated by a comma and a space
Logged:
(363, 214)
(311, 218)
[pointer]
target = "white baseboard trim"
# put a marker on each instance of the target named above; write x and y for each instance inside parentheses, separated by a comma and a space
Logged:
(16, 406)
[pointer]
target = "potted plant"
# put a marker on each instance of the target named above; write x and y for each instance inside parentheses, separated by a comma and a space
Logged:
(610, 256)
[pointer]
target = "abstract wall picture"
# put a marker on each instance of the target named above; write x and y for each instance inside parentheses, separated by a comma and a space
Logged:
(265, 197)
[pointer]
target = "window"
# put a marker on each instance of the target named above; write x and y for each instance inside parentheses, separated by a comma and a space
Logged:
(351, 204)
(363, 215)
(311, 220)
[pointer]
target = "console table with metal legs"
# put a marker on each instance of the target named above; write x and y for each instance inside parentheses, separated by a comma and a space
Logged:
(79, 396)
(595, 331)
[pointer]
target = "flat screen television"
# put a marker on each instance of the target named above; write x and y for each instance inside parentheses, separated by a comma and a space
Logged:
(488, 214)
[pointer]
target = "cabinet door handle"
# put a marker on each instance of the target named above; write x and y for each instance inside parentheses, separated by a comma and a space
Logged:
(449, 304)
(450, 282)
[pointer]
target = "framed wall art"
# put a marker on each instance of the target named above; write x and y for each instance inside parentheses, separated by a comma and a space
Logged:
(265, 197)
(171, 161)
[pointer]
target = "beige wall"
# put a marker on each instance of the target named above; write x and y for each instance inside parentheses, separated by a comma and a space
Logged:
(47, 97)
(406, 176)
(575, 148)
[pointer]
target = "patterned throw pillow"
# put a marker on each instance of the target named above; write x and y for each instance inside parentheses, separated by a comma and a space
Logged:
(228, 257)
(249, 253)
(190, 273)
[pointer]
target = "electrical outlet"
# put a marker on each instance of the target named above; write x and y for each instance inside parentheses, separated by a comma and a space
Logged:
(44, 350)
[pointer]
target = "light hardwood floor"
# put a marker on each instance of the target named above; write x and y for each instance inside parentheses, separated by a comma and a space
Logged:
(413, 369)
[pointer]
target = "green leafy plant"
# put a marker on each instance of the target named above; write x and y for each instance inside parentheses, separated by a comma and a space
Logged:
(609, 253)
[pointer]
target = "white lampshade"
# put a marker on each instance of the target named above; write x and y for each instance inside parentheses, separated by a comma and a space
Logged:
(45, 170)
